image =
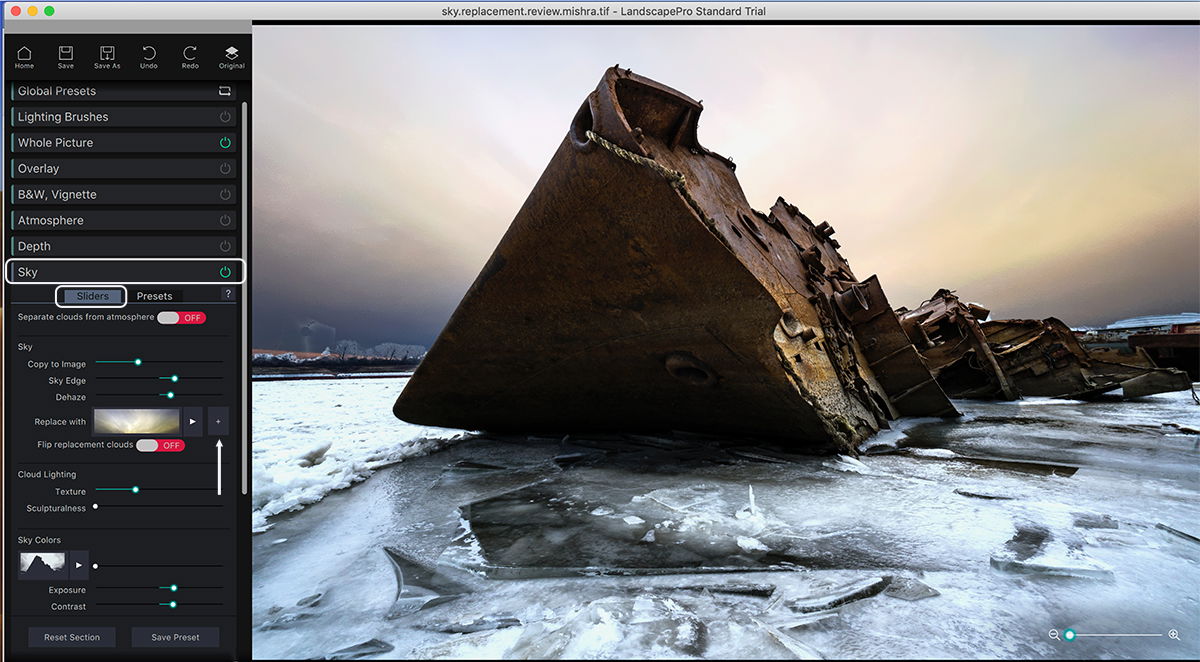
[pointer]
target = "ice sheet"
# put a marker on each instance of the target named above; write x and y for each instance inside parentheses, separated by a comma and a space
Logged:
(313, 437)
(996, 548)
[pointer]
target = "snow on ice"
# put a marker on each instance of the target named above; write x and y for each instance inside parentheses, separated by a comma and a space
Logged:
(963, 538)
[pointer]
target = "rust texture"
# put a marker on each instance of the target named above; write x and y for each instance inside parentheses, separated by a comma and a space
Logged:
(637, 290)
(1007, 359)
(948, 335)
(1043, 357)
(1180, 348)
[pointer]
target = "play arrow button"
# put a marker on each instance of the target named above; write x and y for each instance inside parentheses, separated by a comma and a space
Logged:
(193, 421)
(78, 564)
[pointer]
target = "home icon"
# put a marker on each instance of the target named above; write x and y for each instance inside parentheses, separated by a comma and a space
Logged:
(24, 54)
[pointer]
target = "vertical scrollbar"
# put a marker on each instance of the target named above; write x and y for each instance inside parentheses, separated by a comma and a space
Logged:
(244, 419)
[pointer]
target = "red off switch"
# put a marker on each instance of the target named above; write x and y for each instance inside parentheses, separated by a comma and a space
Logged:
(181, 317)
(160, 445)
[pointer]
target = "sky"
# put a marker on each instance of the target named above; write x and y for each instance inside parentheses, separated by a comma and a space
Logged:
(1038, 170)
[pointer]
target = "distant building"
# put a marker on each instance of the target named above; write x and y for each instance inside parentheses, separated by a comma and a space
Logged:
(1170, 341)
(1120, 330)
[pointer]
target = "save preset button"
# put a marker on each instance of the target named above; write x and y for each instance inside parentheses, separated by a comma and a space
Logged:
(176, 636)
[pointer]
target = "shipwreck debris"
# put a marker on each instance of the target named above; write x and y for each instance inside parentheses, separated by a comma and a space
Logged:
(637, 290)
(947, 333)
(1044, 358)
(977, 358)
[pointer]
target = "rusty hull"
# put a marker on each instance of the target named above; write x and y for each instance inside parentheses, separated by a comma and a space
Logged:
(637, 290)
(1178, 349)
(1044, 358)
(947, 333)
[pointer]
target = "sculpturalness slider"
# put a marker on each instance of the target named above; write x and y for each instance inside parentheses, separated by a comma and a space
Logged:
(637, 290)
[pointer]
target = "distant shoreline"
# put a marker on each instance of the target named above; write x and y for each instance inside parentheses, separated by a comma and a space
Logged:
(279, 364)
(300, 372)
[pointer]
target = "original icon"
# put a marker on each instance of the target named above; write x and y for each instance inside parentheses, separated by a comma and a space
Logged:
(189, 53)
(66, 53)
(108, 53)
(149, 53)
(231, 53)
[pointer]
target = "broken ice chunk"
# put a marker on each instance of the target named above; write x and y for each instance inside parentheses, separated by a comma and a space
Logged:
(615, 627)
(633, 520)
(749, 544)
(1176, 532)
(479, 623)
(755, 590)
(751, 510)
(793, 621)
(933, 452)
(907, 588)
(315, 455)
(1032, 550)
(839, 595)
(365, 649)
(468, 465)
(419, 585)
(848, 464)
(801, 650)
(978, 494)
(310, 601)
(1095, 521)
(881, 444)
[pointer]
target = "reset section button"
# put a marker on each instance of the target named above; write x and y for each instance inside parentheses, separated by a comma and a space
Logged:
(175, 636)
(73, 637)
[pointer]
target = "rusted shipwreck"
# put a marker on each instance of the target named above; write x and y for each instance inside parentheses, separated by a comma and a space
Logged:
(637, 290)
(1003, 359)
(947, 333)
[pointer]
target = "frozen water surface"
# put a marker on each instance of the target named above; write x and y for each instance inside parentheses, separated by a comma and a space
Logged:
(961, 538)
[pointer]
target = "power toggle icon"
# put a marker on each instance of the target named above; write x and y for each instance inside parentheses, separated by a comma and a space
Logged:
(225, 272)
(225, 142)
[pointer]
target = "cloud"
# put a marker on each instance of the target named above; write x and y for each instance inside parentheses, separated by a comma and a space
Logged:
(1038, 169)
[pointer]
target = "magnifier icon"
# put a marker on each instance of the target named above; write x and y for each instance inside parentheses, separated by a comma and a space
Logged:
(1173, 634)
(1054, 635)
